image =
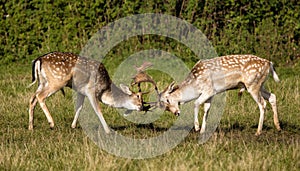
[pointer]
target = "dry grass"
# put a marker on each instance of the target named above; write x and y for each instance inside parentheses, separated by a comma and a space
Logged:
(233, 147)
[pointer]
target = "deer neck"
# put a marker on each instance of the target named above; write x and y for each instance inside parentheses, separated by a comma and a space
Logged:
(114, 97)
(185, 93)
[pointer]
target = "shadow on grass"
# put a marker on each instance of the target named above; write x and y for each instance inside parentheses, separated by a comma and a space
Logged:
(149, 126)
(234, 126)
(290, 127)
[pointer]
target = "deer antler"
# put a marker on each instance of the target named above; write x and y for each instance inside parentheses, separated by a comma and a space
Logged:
(141, 77)
(143, 67)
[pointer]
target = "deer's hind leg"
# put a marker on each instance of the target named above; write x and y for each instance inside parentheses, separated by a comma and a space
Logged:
(41, 97)
(272, 100)
(257, 96)
(79, 105)
(32, 104)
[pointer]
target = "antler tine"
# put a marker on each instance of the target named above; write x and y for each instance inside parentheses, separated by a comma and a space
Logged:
(143, 67)
(143, 77)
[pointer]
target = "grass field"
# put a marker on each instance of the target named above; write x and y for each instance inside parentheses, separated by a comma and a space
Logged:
(232, 147)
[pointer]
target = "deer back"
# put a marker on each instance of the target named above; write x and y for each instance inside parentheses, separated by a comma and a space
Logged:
(54, 69)
(90, 74)
(229, 72)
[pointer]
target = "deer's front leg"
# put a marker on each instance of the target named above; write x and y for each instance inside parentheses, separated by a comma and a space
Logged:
(79, 105)
(207, 105)
(97, 109)
(206, 99)
(196, 121)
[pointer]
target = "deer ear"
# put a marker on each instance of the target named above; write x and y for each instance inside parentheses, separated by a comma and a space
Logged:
(172, 87)
(125, 89)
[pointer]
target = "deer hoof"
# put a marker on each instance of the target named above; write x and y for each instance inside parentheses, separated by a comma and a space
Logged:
(51, 125)
(107, 131)
(196, 126)
(257, 133)
(279, 129)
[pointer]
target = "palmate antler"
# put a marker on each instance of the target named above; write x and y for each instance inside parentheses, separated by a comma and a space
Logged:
(141, 77)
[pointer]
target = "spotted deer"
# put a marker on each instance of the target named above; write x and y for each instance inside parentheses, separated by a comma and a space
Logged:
(87, 77)
(212, 76)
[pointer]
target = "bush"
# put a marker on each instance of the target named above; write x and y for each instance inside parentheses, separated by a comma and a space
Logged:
(267, 29)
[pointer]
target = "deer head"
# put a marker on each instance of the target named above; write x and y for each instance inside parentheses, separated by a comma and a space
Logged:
(170, 99)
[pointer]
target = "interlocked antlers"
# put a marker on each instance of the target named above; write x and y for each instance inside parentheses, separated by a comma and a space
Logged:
(142, 77)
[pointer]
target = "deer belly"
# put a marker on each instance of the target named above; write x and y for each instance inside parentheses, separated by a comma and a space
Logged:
(226, 81)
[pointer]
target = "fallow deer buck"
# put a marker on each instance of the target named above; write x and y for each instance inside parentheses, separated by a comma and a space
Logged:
(212, 76)
(87, 77)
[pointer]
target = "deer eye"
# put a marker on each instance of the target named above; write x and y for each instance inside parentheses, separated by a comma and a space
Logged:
(168, 101)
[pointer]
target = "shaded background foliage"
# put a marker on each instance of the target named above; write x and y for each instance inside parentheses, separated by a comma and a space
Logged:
(270, 29)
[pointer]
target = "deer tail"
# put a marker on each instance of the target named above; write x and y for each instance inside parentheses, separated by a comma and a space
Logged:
(36, 67)
(275, 76)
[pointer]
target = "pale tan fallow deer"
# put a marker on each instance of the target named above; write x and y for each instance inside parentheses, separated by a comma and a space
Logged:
(212, 76)
(87, 77)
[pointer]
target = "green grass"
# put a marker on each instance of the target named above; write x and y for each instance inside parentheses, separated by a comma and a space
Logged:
(232, 147)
